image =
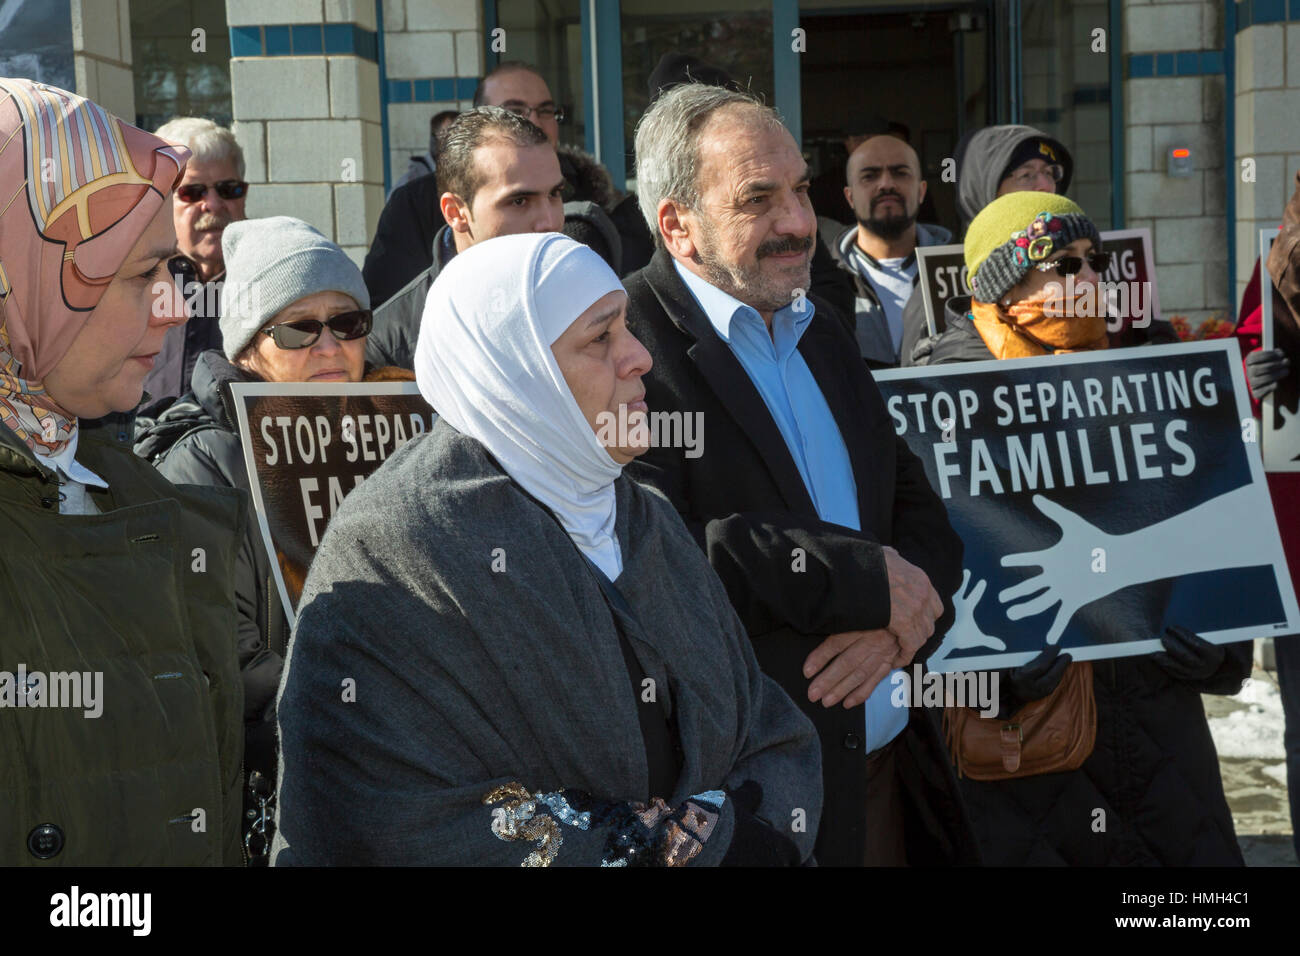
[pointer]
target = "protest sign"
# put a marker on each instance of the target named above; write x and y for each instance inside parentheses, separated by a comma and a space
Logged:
(1129, 281)
(306, 446)
(941, 275)
(1279, 411)
(1100, 496)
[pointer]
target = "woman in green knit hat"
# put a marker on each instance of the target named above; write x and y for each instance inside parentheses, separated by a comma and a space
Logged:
(1150, 791)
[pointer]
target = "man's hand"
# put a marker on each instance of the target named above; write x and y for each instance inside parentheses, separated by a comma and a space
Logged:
(849, 665)
(914, 605)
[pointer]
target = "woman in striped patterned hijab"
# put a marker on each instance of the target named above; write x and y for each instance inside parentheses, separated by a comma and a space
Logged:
(84, 230)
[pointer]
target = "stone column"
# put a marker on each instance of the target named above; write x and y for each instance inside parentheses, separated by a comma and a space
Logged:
(101, 54)
(304, 82)
(1268, 131)
(1174, 97)
(433, 52)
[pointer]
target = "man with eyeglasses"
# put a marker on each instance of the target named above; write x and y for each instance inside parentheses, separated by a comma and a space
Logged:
(210, 197)
(991, 162)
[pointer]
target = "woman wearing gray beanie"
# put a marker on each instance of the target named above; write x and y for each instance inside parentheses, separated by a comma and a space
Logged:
(295, 309)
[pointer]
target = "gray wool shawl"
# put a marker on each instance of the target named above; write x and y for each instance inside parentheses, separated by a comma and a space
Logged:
(467, 679)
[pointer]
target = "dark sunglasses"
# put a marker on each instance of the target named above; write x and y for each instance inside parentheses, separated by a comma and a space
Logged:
(305, 332)
(226, 189)
(1073, 265)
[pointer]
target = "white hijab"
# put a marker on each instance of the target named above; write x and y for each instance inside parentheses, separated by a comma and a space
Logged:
(484, 362)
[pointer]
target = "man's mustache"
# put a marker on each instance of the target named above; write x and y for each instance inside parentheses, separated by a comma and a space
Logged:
(890, 195)
(210, 220)
(777, 247)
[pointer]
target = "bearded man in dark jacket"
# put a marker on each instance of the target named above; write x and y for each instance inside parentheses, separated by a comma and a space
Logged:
(833, 548)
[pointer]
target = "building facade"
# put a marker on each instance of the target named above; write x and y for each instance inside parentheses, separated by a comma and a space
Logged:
(330, 98)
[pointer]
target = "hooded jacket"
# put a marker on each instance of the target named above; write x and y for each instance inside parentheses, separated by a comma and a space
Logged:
(870, 328)
(984, 155)
(981, 158)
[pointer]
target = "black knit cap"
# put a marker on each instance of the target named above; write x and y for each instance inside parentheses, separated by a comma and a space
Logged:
(1046, 149)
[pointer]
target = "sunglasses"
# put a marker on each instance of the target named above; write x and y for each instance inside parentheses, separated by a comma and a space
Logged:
(306, 332)
(1073, 265)
(226, 189)
(1027, 177)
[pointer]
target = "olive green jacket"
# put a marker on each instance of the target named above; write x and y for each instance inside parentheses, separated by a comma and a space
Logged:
(141, 594)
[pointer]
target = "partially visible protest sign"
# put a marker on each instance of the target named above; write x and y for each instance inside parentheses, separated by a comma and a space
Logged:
(1100, 496)
(1129, 281)
(306, 446)
(1279, 437)
(941, 274)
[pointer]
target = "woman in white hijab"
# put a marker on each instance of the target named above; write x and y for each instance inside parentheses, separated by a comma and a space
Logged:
(537, 664)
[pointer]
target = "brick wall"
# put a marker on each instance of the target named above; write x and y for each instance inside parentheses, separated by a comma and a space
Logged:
(305, 89)
(433, 51)
(1181, 105)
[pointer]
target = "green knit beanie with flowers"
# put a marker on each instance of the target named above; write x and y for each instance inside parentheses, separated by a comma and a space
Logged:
(1014, 233)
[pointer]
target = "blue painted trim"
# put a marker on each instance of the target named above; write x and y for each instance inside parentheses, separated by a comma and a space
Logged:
(1016, 57)
(786, 86)
(610, 148)
(586, 28)
(383, 93)
(490, 23)
(304, 39)
(1230, 147)
(245, 41)
(1115, 65)
(1183, 63)
(432, 89)
(1249, 13)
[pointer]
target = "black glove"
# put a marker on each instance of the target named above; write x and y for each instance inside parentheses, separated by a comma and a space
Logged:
(1034, 680)
(753, 841)
(1187, 656)
(1264, 369)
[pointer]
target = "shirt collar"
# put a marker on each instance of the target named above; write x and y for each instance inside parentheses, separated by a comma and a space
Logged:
(721, 307)
(66, 464)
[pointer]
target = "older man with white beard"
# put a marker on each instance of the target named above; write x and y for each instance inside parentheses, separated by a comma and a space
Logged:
(209, 198)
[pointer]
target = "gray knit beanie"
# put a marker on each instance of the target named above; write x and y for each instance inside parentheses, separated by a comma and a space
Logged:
(272, 263)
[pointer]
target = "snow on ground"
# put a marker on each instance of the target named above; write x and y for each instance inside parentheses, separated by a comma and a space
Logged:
(1254, 731)
(1276, 771)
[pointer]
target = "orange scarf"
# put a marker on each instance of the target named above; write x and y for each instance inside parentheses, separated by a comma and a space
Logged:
(1023, 329)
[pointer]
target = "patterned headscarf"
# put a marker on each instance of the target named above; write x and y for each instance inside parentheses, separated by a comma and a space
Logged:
(77, 189)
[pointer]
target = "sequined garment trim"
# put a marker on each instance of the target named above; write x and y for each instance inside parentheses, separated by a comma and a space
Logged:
(640, 834)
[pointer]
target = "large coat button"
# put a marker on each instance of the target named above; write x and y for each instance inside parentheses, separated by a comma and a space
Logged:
(45, 841)
(852, 742)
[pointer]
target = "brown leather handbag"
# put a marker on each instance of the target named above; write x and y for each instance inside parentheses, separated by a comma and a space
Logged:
(1050, 735)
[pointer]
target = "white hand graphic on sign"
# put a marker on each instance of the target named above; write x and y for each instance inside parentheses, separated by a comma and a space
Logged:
(1222, 533)
(965, 633)
(1282, 445)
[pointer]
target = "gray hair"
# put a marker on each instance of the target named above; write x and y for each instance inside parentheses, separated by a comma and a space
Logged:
(208, 142)
(668, 148)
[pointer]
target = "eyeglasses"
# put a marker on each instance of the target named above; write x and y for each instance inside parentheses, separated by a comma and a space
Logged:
(1026, 176)
(1073, 265)
(226, 189)
(305, 332)
(547, 112)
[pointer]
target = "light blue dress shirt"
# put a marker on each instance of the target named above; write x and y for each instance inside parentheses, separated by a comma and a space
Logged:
(805, 421)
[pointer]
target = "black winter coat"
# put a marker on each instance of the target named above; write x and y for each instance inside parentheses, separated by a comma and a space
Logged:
(208, 452)
(1154, 772)
(746, 504)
